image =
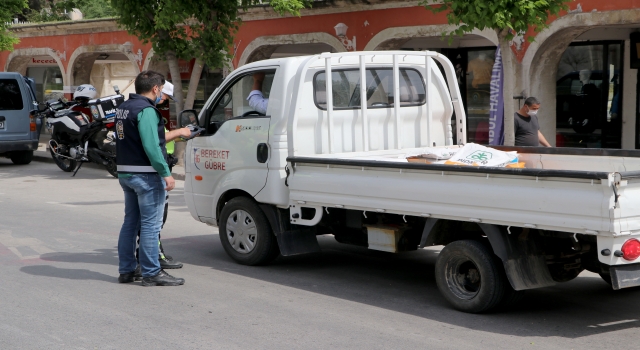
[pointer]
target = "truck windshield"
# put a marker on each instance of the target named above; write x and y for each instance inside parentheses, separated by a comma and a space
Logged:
(10, 95)
(346, 88)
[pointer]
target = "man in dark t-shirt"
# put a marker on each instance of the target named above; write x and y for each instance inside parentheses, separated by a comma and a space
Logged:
(526, 126)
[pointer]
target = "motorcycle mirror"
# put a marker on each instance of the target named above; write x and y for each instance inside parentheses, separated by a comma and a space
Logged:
(188, 117)
(116, 89)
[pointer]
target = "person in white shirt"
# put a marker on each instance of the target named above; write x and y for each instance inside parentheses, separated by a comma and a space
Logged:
(256, 99)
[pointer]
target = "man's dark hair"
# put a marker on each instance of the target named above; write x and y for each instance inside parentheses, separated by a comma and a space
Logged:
(146, 80)
(529, 101)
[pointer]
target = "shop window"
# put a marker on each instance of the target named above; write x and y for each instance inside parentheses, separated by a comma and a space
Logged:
(48, 82)
(588, 90)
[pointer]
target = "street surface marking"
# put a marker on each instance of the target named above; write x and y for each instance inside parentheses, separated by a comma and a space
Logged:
(613, 323)
(13, 243)
(62, 204)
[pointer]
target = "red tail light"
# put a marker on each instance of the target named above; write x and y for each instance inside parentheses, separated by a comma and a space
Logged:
(109, 125)
(32, 123)
(631, 250)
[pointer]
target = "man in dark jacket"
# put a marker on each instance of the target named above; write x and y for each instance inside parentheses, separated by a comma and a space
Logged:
(144, 176)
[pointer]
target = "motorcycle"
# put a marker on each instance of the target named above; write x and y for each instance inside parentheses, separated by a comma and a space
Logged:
(75, 140)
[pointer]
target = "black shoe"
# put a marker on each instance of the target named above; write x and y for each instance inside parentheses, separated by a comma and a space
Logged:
(167, 263)
(126, 277)
(137, 274)
(162, 279)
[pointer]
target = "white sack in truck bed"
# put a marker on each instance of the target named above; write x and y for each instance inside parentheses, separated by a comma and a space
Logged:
(470, 154)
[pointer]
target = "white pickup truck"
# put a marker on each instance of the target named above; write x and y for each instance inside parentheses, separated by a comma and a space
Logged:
(324, 160)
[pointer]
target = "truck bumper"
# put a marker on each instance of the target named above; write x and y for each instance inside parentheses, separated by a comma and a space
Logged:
(625, 276)
(10, 146)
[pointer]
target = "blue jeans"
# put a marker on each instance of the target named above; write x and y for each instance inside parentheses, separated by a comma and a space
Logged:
(144, 197)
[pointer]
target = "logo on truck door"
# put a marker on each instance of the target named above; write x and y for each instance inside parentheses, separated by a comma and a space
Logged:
(210, 159)
(240, 128)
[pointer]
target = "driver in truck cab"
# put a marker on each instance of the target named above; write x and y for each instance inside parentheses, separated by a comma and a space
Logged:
(256, 99)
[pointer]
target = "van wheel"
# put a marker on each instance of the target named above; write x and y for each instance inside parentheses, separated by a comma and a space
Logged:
(469, 277)
(21, 157)
(65, 164)
(245, 233)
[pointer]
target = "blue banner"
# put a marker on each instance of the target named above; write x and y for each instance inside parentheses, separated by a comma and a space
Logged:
(496, 112)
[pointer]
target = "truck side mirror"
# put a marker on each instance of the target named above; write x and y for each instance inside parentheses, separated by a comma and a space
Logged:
(188, 117)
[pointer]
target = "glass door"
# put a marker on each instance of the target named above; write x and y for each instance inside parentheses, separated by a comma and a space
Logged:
(473, 70)
(588, 96)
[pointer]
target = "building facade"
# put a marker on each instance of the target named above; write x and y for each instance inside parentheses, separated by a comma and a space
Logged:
(580, 67)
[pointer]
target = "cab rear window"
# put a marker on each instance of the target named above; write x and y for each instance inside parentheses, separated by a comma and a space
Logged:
(10, 95)
(379, 87)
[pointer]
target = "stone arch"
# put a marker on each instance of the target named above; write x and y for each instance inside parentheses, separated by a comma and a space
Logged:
(82, 59)
(540, 62)
(153, 62)
(393, 38)
(264, 46)
(19, 59)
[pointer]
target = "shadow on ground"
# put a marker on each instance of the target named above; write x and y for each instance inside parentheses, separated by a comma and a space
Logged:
(401, 283)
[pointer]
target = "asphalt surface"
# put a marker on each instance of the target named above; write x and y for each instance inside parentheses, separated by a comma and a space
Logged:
(59, 290)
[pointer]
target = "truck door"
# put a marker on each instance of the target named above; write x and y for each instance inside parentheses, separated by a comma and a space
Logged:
(233, 152)
(14, 109)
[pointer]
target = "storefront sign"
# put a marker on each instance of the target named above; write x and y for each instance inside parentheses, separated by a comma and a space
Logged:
(496, 111)
(42, 61)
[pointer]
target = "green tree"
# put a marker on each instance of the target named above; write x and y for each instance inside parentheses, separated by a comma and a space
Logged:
(201, 29)
(8, 11)
(507, 18)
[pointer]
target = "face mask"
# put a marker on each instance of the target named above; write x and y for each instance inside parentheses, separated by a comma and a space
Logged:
(532, 113)
(158, 98)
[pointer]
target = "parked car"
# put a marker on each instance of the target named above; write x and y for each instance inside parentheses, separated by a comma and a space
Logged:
(19, 128)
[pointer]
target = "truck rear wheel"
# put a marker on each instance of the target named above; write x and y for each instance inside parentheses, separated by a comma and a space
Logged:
(469, 276)
(245, 233)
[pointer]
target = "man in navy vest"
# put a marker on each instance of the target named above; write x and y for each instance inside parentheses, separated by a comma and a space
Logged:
(144, 176)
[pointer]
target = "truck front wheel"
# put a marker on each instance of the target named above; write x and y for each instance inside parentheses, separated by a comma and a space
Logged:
(469, 276)
(245, 233)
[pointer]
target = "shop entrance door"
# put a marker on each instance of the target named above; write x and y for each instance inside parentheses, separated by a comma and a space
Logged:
(473, 70)
(589, 96)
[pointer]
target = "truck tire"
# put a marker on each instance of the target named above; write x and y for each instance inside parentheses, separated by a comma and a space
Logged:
(21, 157)
(470, 277)
(245, 233)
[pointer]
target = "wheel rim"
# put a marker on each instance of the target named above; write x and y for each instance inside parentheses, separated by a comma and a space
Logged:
(463, 278)
(241, 231)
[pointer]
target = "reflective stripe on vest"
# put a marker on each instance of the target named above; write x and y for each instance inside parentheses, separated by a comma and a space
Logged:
(137, 168)
(170, 145)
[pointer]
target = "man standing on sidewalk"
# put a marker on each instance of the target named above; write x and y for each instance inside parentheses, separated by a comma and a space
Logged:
(144, 176)
(527, 128)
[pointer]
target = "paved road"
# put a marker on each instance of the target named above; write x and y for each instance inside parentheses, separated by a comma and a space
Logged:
(59, 290)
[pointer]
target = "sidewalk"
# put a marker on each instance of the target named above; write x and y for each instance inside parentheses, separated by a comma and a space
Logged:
(43, 155)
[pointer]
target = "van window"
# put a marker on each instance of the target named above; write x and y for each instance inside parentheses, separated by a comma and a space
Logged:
(346, 88)
(10, 95)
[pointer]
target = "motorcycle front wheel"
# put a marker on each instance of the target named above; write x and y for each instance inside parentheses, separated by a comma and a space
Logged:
(65, 164)
(112, 167)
